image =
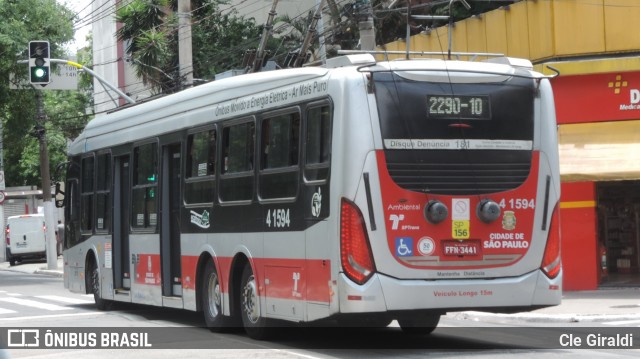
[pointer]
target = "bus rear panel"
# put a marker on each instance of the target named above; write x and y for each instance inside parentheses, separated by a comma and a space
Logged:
(460, 197)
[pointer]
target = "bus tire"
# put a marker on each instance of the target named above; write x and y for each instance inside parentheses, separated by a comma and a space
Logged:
(420, 325)
(255, 325)
(93, 273)
(212, 300)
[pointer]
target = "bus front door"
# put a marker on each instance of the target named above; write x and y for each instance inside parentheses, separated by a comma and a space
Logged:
(170, 230)
(121, 260)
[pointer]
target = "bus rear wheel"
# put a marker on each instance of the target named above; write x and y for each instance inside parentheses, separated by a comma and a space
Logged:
(212, 299)
(419, 325)
(254, 323)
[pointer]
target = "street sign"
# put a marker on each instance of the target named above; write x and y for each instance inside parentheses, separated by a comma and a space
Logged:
(63, 77)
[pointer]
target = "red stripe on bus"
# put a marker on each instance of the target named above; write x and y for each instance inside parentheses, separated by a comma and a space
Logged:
(297, 279)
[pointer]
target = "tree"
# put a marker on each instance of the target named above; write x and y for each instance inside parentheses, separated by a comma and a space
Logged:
(23, 21)
(151, 27)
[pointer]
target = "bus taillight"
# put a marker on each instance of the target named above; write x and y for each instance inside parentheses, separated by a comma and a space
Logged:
(551, 262)
(355, 252)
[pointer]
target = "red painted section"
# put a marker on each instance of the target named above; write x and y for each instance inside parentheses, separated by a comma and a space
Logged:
(148, 270)
(189, 267)
(300, 279)
(579, 237)
(462, 237)
(597, 97)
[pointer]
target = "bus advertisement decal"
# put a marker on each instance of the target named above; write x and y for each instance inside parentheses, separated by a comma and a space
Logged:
(148, 269)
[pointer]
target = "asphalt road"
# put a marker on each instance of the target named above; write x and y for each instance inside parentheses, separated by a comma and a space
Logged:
(37, 301)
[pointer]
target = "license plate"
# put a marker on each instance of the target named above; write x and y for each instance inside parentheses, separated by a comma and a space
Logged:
(461, 248)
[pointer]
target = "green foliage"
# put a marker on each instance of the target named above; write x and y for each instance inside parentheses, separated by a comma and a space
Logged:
(219, 40)
(24, 21)
(152, 26)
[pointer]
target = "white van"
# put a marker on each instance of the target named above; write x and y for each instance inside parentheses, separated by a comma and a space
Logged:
(26, 237)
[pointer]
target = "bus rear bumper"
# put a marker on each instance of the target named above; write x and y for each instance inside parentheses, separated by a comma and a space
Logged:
(382, 293)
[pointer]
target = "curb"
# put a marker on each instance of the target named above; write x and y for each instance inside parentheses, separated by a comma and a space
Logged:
(546, 318)
(49, 272)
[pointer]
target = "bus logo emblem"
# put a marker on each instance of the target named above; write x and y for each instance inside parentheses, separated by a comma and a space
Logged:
(509, 220)
(316, 203)
(200, 220)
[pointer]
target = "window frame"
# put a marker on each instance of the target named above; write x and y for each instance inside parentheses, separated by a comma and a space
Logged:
(107, 192)
(83, 215)
(189, 180)
(305, 128)
(147, 227)
(295, 168)
(223, 174)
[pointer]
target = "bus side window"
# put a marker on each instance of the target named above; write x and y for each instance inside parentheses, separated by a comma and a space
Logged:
(318, 144)
(279, 156)
(238, 144)
(145, 181)
(72, 215)
(200, 175)
(103, 189)
(86, 194)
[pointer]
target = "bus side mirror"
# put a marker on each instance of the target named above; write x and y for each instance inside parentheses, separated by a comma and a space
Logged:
(59, 195)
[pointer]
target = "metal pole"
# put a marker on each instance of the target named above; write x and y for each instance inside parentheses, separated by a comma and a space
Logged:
(450, 30)
(408, 28)
(49, 215)
(91, 72)
(185, 53)
(3, 244)
(323, 48)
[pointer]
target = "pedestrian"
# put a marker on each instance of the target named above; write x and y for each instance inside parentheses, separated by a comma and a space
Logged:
(59, 237)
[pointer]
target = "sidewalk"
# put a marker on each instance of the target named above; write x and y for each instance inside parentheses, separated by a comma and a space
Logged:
(602, 305)
(34, 267)
(608, 304)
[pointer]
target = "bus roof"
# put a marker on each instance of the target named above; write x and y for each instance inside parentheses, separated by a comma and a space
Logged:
(183, 103)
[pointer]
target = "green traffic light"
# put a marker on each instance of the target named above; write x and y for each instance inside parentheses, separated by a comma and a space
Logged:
(39, 72)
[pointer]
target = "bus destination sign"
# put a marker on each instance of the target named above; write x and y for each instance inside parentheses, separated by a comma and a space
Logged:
(458, 107)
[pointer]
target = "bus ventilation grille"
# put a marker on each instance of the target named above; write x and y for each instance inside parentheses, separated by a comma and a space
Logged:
(460, 178)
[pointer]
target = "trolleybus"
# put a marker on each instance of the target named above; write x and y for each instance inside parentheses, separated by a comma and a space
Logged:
(363, 191)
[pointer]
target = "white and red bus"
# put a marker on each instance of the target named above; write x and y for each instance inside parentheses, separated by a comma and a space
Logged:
(362, 191)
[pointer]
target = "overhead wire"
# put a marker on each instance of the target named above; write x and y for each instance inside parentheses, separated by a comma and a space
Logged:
(236, 50)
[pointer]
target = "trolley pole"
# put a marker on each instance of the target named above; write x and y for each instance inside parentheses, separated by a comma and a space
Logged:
(49, 215)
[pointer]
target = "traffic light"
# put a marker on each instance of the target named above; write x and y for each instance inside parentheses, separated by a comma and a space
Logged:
(39, 65)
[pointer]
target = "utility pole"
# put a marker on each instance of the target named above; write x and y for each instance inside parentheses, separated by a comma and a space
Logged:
(185, 53)
(3, 244)
(323, 48)
(49, 209)
(366, 27)
(266, 33)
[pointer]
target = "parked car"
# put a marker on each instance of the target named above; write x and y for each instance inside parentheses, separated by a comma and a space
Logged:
(26, 237)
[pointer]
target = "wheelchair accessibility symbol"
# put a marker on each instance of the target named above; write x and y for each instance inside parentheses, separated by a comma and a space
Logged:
(404, 246)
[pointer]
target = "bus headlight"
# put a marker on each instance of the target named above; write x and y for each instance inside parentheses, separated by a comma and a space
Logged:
(488, 210)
